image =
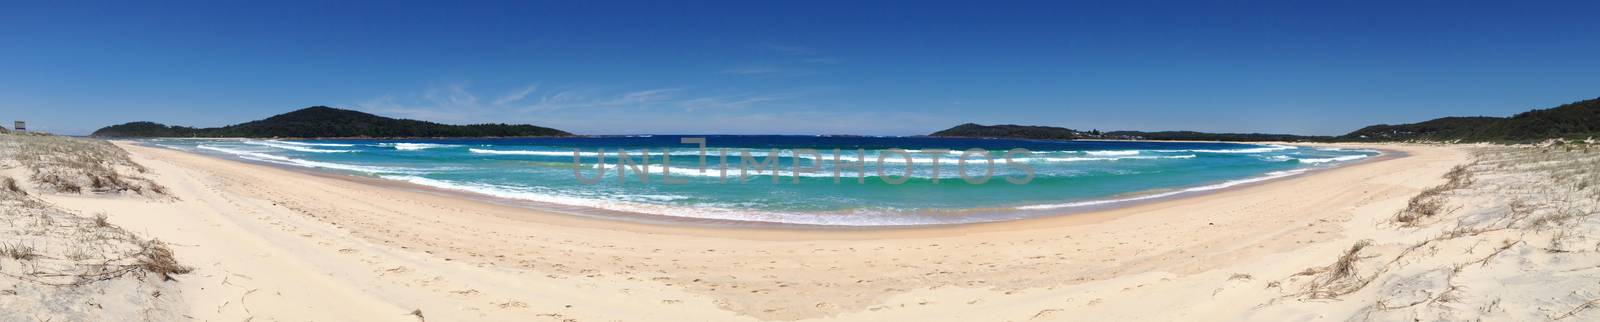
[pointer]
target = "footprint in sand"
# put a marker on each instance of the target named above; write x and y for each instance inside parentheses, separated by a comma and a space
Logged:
(512, 304)
(1045, 314)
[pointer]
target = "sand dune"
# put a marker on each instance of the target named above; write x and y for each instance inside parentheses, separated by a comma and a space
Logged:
(271, 243)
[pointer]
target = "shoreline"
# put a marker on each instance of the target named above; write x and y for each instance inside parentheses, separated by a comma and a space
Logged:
(388, 250)
(583, 216)
(1106, 203)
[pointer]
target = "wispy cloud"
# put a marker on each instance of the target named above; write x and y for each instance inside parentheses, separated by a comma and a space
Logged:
(391, 106)
(515, 96)
(768, 72)
(594, 110)
(454, 95)
(792, 61)
(456, 103)
(572, 99)
(732, 101)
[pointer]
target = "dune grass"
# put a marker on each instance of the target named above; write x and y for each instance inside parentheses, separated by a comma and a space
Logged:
(76, 165)
(1432, 201)
(54, 261)
(1523, 214)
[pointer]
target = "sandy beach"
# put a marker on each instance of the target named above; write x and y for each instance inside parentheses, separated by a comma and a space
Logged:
(1428, 232)
(275, 244)
(767, 161)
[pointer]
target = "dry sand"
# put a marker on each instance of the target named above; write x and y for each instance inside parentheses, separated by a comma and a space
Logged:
(275, 244)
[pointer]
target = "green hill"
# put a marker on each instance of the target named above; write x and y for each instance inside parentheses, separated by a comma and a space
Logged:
(327, 122)
(1009, 131)
(1577, 120)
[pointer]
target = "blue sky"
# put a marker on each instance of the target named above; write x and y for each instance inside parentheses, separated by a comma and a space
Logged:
(812, 67)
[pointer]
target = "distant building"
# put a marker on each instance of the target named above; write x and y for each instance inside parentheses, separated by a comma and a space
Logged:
(20, 126)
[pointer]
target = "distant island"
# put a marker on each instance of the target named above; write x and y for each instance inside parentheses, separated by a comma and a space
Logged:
(1010, 131)
(328, 122)
(1578, 120)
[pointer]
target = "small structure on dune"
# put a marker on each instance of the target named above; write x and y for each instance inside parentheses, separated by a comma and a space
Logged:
(20, 126)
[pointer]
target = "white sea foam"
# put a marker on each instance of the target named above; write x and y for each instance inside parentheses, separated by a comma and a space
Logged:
(733, 156)
(950, 152)
(292, 147)
(1333, 159)
(315, 144)
(637, 204)
(1112, 153)
(535, 152)
(1269, 148)
(1265, 177)
(263, 157)
(1265, 149)
(711, 171)
(870, 158)
(1349, 150)
(416, 146)
(1139, 157)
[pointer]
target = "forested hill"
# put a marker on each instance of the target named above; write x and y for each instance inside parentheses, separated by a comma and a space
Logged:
(1578, 120)
(971, 130)
(1008, 131)
(328, 122)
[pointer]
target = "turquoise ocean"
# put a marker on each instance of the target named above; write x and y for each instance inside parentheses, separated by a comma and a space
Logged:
(1066, 175)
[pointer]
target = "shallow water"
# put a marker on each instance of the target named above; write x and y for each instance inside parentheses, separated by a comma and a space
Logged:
(1065, 174)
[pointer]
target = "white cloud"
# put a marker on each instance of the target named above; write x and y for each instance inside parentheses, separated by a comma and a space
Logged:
(453, 95)
(575, 99)
(793, 61)
(731, 101)
(652, 110)
(516, 95)
(455, 103)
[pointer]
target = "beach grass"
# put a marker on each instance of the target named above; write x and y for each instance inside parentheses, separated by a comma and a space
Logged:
(76, 165)
(1514, 213)
(53, 256)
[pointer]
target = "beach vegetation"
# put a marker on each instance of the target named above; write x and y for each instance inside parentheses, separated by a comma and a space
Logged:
(154, 257)
(1578, 120)
(1341, 277)
(59, 265)
(11, 185)
(76, 165)
(18, 251)
(1432, 201)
